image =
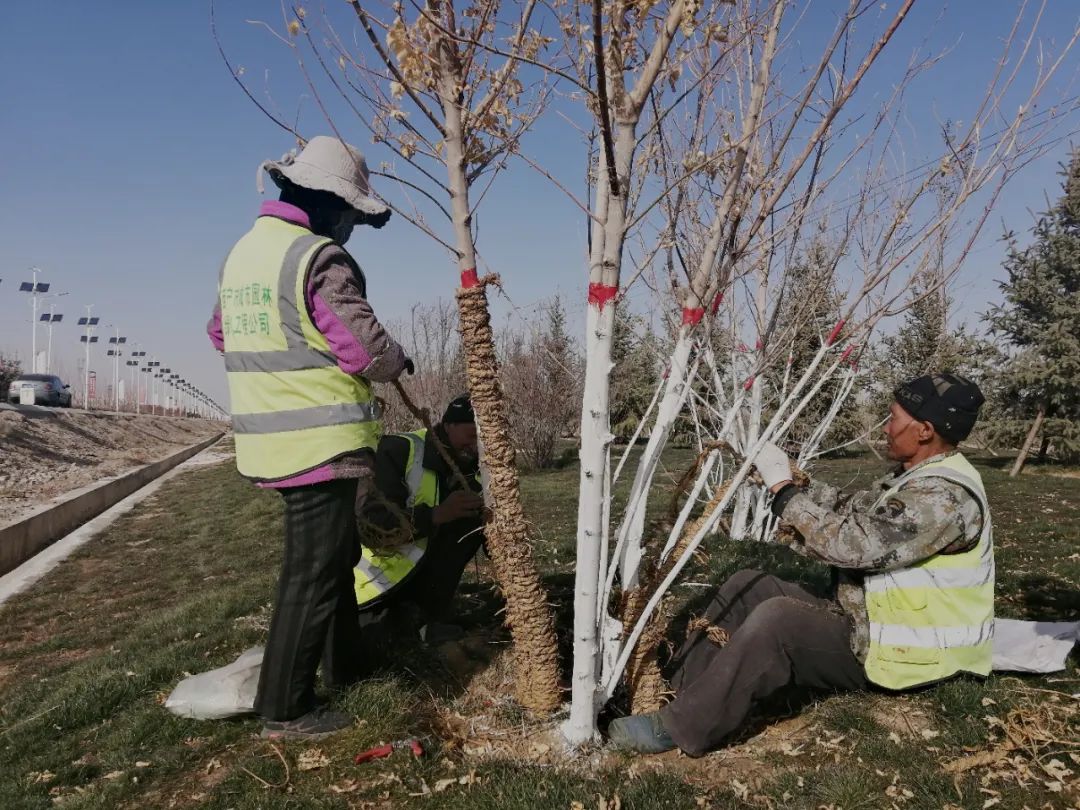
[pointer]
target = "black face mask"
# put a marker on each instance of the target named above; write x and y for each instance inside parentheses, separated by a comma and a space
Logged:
(342, 231)
(338, 225)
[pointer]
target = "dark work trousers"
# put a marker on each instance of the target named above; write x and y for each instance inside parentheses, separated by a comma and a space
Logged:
(779, 636)
(315, 611)
(432, 586)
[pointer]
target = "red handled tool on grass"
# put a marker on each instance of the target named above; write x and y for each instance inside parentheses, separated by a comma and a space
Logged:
(381, 751)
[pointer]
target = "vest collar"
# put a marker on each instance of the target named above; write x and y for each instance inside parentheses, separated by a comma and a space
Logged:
(285, 211)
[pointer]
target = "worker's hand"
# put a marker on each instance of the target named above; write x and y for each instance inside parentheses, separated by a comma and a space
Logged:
(457, 506)
(410, 367)
(773, 466)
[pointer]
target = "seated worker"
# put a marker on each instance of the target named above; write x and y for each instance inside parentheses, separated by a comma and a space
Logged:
(420, 527)
(914, 565)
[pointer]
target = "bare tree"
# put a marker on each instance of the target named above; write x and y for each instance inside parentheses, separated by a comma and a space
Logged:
(441, 86)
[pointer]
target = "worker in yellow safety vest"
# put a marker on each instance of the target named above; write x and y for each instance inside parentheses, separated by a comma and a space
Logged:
(421, 527)
(302, 347)
(914, 604)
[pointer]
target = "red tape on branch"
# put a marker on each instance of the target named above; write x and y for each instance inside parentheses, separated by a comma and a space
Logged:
(600, 294)
(716, 302)
(749, 383)
(847, 353)
(469, 279)
(692, 315)
(759, 345)
(835, 333)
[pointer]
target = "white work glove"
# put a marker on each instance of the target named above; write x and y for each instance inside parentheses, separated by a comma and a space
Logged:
(772, 465)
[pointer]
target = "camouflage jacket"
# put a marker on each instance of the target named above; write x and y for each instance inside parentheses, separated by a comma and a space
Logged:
(925, 517)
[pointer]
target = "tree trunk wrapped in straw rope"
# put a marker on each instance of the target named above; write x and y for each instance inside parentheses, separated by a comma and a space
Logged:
(527, 613)
(644, 682)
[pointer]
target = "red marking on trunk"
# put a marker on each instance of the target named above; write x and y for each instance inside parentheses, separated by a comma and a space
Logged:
(692, 315)
(469, 279)
(716, 302)
(835, 333)
(600, 294)
(749, 383)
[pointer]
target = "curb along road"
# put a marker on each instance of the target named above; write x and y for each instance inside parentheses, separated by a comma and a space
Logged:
(22, 540)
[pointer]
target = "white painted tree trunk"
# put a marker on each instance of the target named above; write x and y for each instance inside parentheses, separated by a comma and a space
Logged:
(592, 491)
(629, 542)
(590, 612)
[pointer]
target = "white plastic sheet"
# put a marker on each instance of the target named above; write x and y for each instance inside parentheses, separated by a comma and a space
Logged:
(224, 692)
(1033, 646)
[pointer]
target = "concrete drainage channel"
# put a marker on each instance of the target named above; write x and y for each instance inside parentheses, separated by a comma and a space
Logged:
(21, 541)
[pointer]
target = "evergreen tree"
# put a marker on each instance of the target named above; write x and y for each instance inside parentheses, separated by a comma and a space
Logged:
(812, 304)
(635, 352)
(1041, 320)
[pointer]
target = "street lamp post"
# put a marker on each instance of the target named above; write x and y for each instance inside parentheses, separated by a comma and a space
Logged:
(136, 377)
(35, 288)
(51, 318)
(116, 340)
(88, 323)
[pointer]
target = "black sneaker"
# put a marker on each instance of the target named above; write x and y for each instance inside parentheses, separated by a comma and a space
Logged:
(316, 724)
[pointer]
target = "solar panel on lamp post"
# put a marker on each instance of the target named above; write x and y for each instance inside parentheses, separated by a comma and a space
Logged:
(35, 288)
(88, 323)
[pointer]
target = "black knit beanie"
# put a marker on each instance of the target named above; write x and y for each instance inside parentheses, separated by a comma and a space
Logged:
(949, 402)
(459, 411)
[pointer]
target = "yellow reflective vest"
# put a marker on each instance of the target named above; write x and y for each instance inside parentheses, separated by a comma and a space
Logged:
(380, 571)
(935, 618)
(293, 408)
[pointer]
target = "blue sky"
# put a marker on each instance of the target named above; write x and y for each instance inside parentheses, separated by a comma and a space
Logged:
(130, 160)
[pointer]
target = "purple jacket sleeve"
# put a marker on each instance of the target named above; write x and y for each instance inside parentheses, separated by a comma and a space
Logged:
(336, 299)
(213, 329)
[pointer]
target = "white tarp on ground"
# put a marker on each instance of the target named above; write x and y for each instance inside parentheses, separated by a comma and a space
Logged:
(1033, 646)
(223, 692)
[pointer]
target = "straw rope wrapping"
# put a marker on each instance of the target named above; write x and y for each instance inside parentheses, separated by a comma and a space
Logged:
(527, 612)
(643, 678)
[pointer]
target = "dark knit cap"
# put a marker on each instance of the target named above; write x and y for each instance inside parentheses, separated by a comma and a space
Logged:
(949, 402)
(459, 411)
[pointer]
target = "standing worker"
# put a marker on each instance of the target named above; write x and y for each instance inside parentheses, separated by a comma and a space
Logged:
(431, 525)
(914, 559)
(302, 346)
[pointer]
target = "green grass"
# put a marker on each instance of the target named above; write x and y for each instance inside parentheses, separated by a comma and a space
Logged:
(183, 583)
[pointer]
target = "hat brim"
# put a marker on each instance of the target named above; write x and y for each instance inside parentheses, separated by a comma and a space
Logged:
(318, 179)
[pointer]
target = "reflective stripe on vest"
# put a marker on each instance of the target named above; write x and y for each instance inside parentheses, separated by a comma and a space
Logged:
(380, 571)
(934, 618)
(293, 408)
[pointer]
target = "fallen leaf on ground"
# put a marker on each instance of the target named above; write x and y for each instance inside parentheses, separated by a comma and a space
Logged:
(312, 759)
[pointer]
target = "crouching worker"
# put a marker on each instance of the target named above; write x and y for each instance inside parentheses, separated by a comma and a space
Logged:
(420, 527)
(914, 566)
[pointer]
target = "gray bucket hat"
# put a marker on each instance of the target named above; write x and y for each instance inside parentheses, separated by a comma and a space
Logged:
(328, 164)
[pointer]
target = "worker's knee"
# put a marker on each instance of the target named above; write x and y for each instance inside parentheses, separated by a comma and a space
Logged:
(743, 580)
(776, 618)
